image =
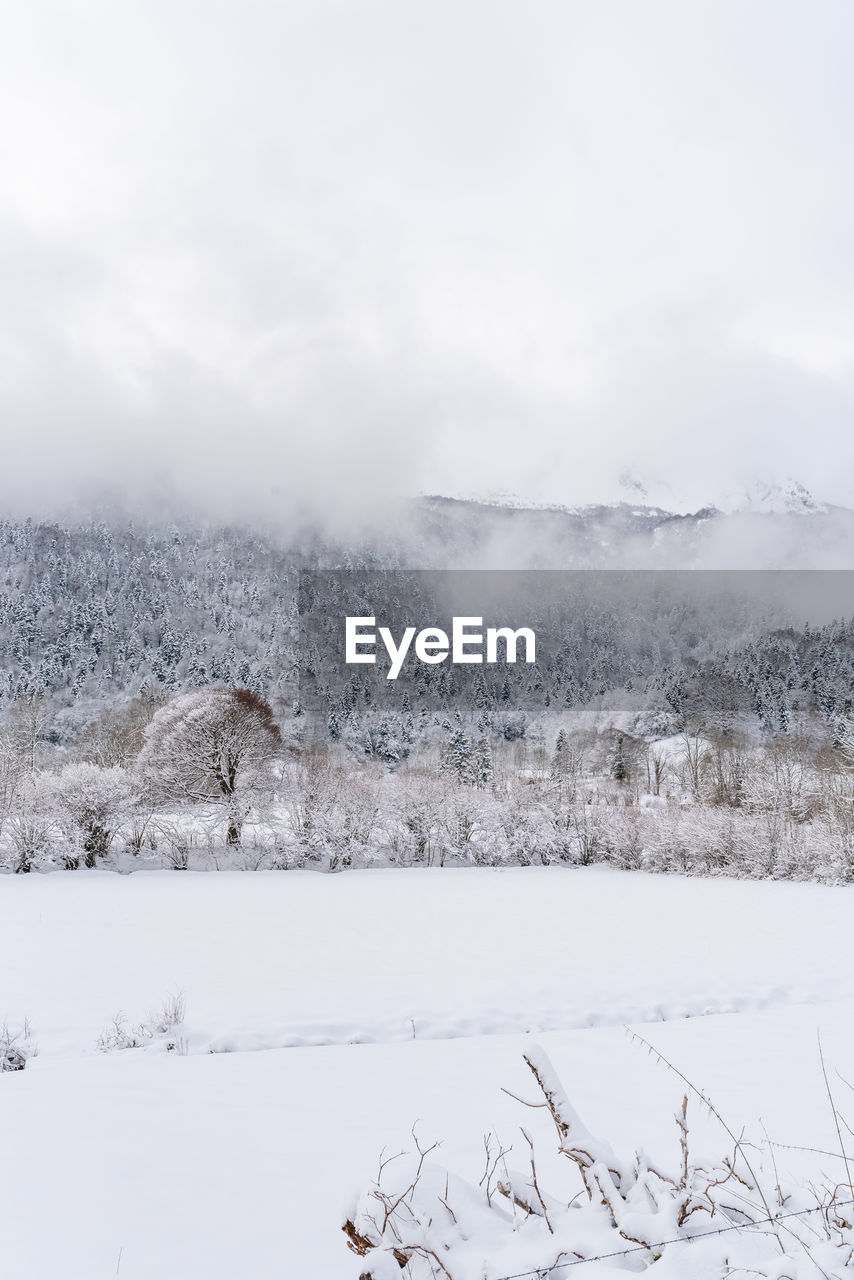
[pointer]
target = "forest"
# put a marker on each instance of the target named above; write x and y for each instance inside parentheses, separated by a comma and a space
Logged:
(178, 696)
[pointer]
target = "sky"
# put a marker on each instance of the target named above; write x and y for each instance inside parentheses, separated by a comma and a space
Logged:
(260, 256)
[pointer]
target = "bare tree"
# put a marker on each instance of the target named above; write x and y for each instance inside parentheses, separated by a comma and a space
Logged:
(117, 735)
(13, 769)
(656, 766)
(695, 750)
(25, 721)
(210, 746)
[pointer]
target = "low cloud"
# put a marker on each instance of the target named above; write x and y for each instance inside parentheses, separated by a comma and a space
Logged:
(264, 257)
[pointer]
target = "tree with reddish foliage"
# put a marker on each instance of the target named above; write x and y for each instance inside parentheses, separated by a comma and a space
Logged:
(211, 746)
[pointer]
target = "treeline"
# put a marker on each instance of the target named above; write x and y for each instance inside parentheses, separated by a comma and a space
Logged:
(208, 779)
(691, 805)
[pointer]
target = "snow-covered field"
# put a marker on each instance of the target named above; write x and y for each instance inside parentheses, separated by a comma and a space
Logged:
(378, 998)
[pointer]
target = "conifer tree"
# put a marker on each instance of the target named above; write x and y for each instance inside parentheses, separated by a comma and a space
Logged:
(619, 765)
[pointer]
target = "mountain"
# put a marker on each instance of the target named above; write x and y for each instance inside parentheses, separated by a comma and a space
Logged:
(93, 611)
(776, 528)
(788, 498)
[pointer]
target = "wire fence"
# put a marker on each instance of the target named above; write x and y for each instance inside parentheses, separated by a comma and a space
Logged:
(542, 1273)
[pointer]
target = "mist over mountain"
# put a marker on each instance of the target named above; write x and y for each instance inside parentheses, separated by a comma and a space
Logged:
(100, 609)
(786, 529)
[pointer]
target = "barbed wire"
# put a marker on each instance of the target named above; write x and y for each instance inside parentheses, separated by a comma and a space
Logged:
(661, 1244)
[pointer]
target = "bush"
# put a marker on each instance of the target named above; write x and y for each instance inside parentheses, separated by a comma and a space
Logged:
(419, 1218)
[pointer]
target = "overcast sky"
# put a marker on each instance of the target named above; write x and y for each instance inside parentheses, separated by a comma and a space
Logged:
(256, 250)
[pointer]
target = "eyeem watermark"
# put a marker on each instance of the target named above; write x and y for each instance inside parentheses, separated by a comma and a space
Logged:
(433, 645)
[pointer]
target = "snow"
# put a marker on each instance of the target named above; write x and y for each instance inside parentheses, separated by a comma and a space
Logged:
(787, 498)
(413, 995)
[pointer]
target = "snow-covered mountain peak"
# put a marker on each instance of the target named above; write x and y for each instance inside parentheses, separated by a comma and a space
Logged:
(787, 498)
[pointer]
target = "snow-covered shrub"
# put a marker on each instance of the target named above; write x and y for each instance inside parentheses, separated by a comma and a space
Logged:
(170, 1015)
(713, 1219)
(346, 828)
(331, 815)
(16, 1046)
(164, 1025)
(588, 830)
(174, 844)
(32, 832)
(462, 824)
(91, 803)
(414, 820)
(531, 828)
(628, 829)
(312, 791)
(118, 1035)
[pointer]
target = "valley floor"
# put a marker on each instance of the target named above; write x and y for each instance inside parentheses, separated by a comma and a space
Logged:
(325, 1014)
